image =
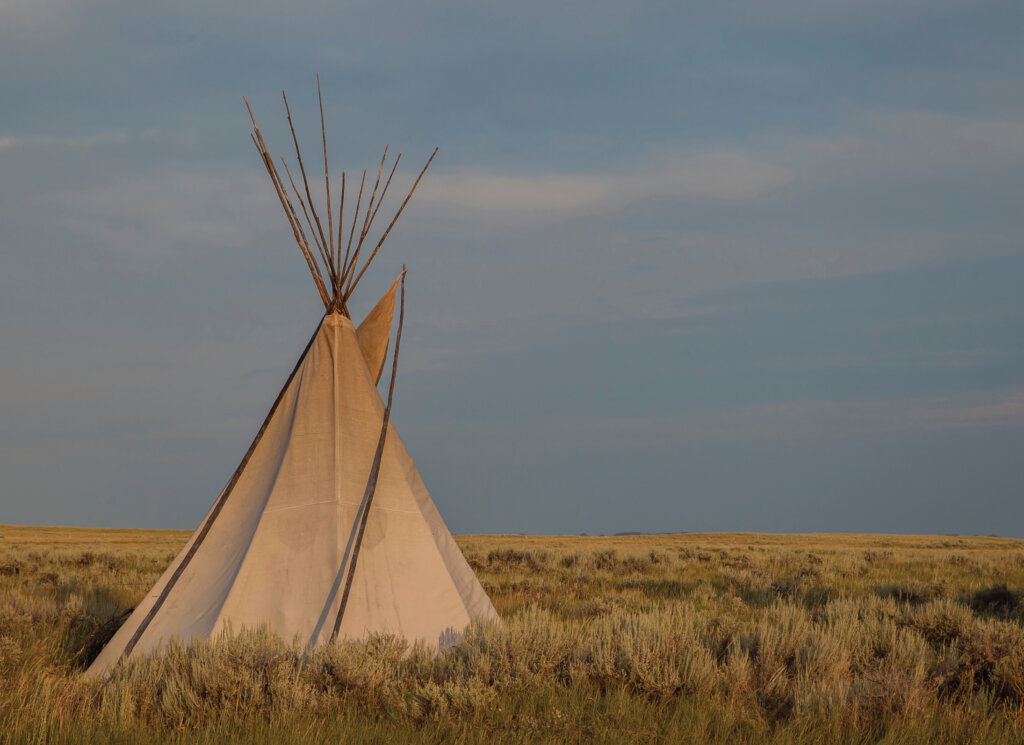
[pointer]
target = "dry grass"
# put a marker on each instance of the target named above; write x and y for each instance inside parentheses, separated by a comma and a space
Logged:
(700, 638)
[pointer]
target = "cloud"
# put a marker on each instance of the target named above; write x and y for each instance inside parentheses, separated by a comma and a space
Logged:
(84, 142)
(999, 135)
(932, 146)
(141, 219)
(717, 175)
(22, 14)
(826, 421)
(803, 13)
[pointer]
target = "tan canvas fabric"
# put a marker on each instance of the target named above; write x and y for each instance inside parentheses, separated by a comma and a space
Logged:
(375, 332)
(278, 551)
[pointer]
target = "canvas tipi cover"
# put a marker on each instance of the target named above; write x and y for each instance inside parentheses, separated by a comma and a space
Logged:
(277, 547)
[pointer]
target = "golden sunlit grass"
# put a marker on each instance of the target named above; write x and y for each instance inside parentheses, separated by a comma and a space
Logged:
(724, 638)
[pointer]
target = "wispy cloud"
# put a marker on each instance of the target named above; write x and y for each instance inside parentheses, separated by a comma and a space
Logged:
(56, 142)
(22, 14)
(996, 134)
(810, 13)
(822, 421)
(719, 174)
(937, 146)
(141, 219)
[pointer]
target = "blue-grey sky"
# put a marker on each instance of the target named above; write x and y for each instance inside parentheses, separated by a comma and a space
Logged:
(730, 265)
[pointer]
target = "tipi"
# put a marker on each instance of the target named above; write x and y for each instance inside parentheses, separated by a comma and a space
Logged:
(325, 530)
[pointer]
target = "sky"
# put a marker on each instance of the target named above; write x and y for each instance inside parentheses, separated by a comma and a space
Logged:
(678, 266)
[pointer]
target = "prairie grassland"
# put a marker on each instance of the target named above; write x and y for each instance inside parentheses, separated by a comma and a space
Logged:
(734, 638)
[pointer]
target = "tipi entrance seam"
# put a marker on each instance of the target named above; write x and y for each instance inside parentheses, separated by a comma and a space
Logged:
(332, 594)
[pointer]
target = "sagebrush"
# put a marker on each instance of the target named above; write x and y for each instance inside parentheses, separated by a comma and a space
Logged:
(695, 638)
